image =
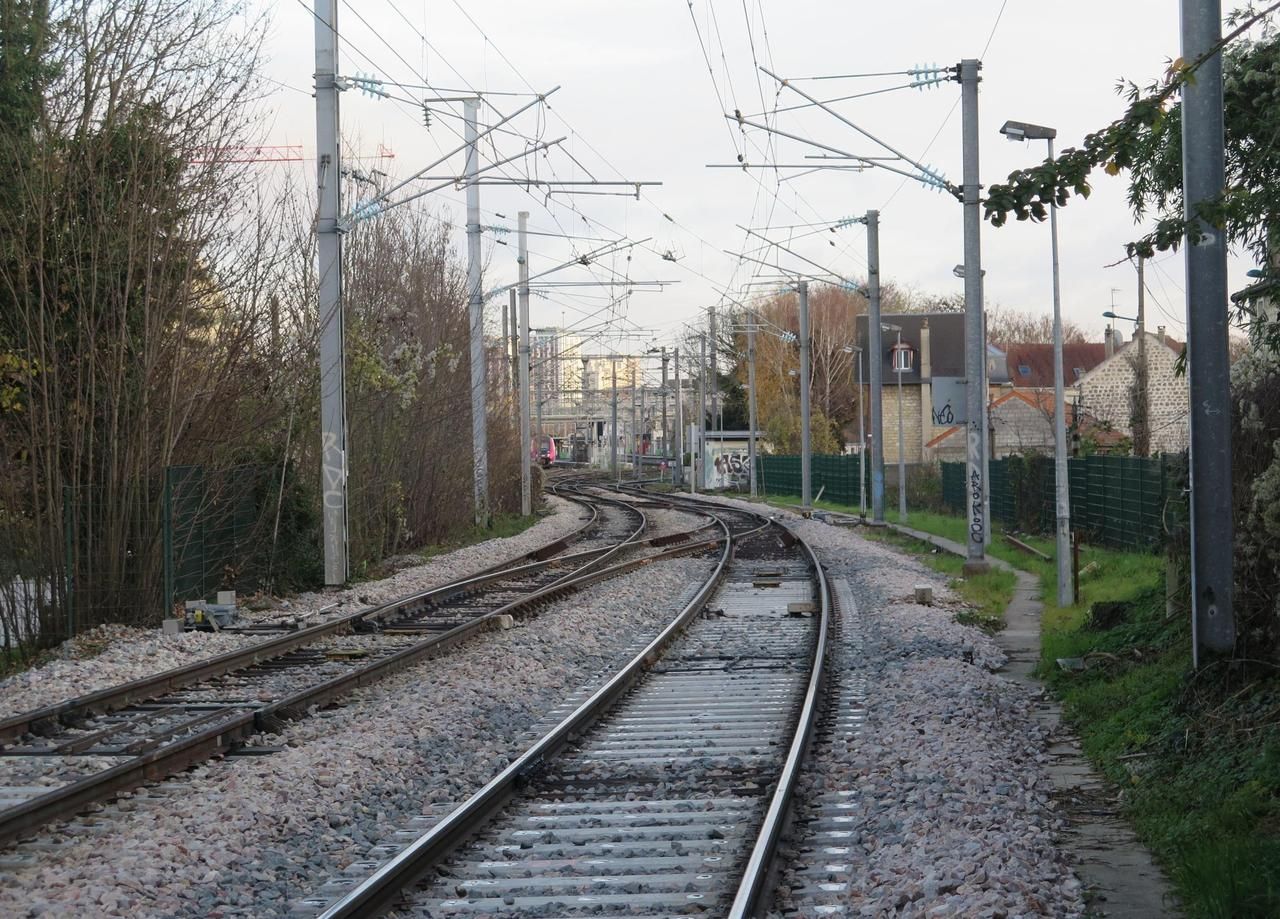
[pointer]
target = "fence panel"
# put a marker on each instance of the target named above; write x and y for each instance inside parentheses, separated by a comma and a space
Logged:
(113, 555)
(834, 476)
(217, 529)
(1115, 500)
(953, 487)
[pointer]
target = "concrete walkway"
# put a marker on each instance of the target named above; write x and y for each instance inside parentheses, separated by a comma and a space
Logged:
(1120, 876)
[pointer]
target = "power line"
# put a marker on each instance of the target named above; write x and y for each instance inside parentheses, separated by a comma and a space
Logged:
(946, 119)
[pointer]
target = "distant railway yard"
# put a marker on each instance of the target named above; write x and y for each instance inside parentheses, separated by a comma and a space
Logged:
(641, 705)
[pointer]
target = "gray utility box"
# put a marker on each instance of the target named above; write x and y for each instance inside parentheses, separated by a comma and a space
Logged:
(202, 615)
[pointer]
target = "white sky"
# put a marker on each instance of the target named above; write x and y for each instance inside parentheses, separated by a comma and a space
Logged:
(639, 103)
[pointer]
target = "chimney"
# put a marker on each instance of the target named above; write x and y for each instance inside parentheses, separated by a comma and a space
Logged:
(1160, 333)
(926, 357)
(1108, 342)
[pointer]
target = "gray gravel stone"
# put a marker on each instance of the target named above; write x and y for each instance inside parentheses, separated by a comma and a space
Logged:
(951, 804)
(116, 654)
(252, 834)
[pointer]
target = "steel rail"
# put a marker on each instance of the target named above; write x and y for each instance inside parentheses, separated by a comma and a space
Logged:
(381, 890)
(751, 898)
(171, 758)
(112, 698)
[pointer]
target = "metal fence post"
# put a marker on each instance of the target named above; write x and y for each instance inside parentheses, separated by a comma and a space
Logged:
(167, 539)
(69, 565)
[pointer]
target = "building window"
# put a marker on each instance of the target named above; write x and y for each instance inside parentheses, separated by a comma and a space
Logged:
(902, 354)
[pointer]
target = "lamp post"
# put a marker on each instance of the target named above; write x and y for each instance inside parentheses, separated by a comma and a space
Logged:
(806, 480)
(1017, 130)
(862, 436)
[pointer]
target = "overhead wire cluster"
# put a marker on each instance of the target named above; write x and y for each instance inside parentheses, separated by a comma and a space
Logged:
(442, 101)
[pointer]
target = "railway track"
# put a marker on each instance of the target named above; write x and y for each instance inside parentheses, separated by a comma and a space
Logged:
(57, 761)
(666, 791)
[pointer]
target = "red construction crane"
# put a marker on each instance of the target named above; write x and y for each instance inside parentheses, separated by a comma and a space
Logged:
(256, 154)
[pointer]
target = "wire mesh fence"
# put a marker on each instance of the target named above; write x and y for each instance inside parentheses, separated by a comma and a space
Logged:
(113, 555)
(219, 529)
(133, 554)
(835, 477)
(1118, 501)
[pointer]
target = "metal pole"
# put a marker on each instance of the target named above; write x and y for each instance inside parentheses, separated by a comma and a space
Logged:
(588, 421)
(666, 442)
(715, 377)
(1061, 482)
(512, 345)
(700, 459)
(975, 352)
(806, 478)
(902, 457)
(635, 430)
(1208, 368)
(679, 440)
(333, 398)
(875, 365)
(526, 435)
(537, 392)
(613, 426)
(644, 429)
(862, 444)
(479, 433)
(989, 429)
(1143, 443)
(751, 400)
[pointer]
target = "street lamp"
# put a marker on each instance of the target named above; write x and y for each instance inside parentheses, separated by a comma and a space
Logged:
(901, 364)
(862, 435)
(1022, 131)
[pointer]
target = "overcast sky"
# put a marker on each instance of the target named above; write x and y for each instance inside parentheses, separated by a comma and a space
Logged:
(640, 100)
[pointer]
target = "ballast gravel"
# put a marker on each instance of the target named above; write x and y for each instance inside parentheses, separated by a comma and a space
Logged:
(250, 835)
(115, 654)
(946, 789)
(126, 654)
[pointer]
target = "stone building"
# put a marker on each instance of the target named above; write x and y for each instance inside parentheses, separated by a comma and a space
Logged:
(1100, 380)
(1105, 393)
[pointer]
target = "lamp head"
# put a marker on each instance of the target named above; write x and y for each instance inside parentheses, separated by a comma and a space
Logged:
(1021, 130)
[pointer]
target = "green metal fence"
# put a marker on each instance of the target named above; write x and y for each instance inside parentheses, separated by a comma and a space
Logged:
(1118, 501)
(836, 477)
(953, 490)
(134, 552)
(217, 529)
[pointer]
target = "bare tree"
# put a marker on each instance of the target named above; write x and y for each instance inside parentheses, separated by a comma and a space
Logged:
(117, 278)
(1008, 326)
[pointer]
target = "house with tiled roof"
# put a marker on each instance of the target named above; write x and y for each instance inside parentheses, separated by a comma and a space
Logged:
(932, 383)
(1100, 380)
(1105, 393)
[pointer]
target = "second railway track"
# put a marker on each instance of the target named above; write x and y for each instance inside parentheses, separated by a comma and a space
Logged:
(57, 761)
(666, 791)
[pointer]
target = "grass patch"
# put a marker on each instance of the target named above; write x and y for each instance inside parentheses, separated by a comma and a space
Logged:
(1197, 756)
(987, 595)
